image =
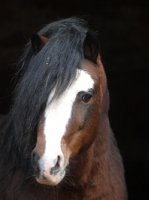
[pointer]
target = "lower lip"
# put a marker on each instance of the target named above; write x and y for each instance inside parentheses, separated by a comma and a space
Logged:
(45, 182)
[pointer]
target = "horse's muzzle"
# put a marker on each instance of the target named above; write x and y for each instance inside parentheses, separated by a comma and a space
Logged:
(48, 171)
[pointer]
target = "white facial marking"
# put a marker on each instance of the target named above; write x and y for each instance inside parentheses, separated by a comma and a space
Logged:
(57, 115)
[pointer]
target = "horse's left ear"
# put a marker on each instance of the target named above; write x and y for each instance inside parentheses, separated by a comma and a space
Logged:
(91, 47)
(38, 42)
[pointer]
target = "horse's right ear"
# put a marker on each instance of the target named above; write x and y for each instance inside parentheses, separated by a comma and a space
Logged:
(38, 42)
(91, 47)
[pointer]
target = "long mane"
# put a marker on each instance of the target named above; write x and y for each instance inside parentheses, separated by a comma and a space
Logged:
(53, 67)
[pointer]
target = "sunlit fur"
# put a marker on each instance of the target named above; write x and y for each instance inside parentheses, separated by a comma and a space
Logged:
(95, 169)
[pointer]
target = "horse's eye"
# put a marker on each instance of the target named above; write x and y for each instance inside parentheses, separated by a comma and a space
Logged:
(86, 97)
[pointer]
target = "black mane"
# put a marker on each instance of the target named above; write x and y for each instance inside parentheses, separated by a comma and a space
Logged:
(54, 66)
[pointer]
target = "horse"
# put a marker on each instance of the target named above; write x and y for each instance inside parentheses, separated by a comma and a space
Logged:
(56, 141)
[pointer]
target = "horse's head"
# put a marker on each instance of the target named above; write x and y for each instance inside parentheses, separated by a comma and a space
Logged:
(69, 124)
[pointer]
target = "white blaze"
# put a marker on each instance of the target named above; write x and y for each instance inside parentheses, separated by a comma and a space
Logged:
(57, 115)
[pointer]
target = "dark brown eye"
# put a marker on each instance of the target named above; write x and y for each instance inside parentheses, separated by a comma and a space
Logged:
(86, 97)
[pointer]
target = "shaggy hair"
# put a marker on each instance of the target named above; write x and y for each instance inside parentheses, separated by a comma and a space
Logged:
(54, 66)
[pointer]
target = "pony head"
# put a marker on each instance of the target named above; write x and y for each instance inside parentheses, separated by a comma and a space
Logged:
(58, 101)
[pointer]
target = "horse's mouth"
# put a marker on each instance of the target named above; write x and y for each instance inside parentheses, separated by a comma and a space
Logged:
(48, 179)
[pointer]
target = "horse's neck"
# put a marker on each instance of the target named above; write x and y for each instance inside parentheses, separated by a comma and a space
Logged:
(100, 170)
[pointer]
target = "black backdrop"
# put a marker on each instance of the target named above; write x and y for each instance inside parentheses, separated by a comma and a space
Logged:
(123, 28)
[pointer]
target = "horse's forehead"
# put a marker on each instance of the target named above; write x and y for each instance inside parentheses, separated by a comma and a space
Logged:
(60, 109)
(92, 69)
(82, 82)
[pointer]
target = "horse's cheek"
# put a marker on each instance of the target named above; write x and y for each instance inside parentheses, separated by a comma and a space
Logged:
(81, 140)
(89, 136)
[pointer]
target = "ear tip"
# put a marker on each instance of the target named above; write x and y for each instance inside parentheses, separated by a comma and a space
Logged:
(34, 36)
(37, 42)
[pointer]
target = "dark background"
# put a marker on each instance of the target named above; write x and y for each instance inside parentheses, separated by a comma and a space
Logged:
(123, 28)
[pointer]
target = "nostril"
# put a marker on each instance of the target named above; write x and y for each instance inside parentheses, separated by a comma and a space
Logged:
(56, 168)
(34, 158)
(58, 159)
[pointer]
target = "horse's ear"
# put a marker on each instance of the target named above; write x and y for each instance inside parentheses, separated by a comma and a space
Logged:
(38, 42)
(91, 47)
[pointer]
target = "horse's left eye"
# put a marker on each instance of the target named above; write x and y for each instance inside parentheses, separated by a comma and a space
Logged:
(86, 97)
